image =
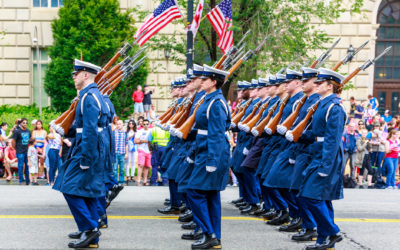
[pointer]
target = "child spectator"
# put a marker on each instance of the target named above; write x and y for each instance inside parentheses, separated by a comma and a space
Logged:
(144, 155)
(55, 147)
(33, 161)
(121, 151)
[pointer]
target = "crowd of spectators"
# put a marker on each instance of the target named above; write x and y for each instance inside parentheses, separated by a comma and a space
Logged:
(29, 156)
(371, 146)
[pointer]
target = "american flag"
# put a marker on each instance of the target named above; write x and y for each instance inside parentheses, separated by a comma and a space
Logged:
(221, 19)
(163, 15)
(197, 16)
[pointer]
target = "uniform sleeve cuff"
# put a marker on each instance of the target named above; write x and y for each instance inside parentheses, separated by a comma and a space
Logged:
(211, 168)
(84, 167)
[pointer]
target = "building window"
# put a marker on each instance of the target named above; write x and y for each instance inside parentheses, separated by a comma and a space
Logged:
(44, 60)
(48, 3)
(388, 67)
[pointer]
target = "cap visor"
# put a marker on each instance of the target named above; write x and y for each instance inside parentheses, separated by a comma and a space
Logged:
(319, 80)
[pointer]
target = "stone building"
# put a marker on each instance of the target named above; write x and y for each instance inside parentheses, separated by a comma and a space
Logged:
(379, 22)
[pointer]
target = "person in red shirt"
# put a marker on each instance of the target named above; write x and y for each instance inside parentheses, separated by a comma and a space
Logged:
(137, 98)
(11, 161)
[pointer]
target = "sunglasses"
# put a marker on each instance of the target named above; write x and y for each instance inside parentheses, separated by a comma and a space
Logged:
(361, 124)
(145, 124)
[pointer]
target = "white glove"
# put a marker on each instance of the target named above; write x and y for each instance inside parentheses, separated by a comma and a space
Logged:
(322, 174)
(289, 136)
(281, 129)
(189, 160)
(245, 151)
(211, 169)
(291, 161)
(84, 167)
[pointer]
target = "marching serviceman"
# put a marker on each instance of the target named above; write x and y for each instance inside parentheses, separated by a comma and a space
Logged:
(210, 171)
(82, 180)
(323, 178)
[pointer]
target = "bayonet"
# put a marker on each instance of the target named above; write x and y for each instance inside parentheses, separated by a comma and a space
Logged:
(244, 37)
(351, 54)
(325, 55)
(369, 62)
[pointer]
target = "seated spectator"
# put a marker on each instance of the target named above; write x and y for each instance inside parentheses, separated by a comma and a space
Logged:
(144, 155)
(11, 160)
(2, 147)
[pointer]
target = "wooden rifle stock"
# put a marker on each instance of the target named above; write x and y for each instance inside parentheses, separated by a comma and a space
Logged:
(353, 74)
(256, 118)
(298, 130)
(221, 60)
(337, 65)
(260, 126)
(236, 109)
(241, 113)
(65, 114)
(169, 115)
(108, 65)
(176, 116)
(251, 115)
(314, 64)
(234, 68)
(166, 112)
(272, 124)
(292, 117)
(186, 112)
(188, 124)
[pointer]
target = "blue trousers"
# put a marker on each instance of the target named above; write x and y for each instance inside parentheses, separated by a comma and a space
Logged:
(304, 212)
(119, 164)
(323, 214)
(376, 159)
(206, 208)
(84, 211)
(242, 191)
(189, 202)
(23, 159)
(156, 156)
(290, 199)
(278, 201)
(101, 207)
(391, 165)
(268, 202)
(54, 159)
(174, 195)
(250, 185)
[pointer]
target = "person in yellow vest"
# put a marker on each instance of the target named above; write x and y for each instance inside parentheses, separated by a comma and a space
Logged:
(159, 139)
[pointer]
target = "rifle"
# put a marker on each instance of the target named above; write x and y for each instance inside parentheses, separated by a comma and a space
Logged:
(257, 130)
(184, 130)
(246, 57)
(250, 116)
(236, 108)
(287, 124)
(325, 55)
(238, 117)
(298, 130)
(249, 125)
(186, 113)
(349, 56)
(272, 124)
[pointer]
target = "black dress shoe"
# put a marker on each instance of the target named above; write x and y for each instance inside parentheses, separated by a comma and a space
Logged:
(169, 210)
(293, 226)
(250, 209)
(186, 217)
(269, 214)
(241, 204)
(75, 235)
(193, 235)
(167, 200)
(237, 200)
(259, 211)
(167, 203)
(305, 235)
(206, 241)
(281, 218)
(182, 208)
(85, 240)
(329, 242)
(113, 193)
(244, 207)
(189, 226)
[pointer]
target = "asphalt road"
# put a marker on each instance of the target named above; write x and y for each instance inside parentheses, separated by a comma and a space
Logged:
(36, 217)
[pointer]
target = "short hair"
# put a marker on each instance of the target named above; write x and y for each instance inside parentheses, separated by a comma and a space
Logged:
(3, 124)
(146, 120)
(140, 118)
(31, 141)
(351, 97)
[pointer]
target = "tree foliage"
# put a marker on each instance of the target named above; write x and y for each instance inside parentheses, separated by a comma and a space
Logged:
(290, 26)
(97, 29)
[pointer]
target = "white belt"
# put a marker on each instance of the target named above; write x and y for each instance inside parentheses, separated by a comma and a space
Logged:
(320, 139)
(79, 130)
(202, 132)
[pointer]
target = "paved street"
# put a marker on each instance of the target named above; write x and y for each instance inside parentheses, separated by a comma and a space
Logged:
(38, 218)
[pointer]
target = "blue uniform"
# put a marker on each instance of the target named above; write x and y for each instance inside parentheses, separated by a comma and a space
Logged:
(322, 181)
(82, 178)
(210, 172)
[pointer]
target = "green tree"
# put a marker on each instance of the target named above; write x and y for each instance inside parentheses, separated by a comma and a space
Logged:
(288, 25)
(97, 29)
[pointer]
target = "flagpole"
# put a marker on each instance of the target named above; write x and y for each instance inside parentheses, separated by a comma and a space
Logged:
(189, 54)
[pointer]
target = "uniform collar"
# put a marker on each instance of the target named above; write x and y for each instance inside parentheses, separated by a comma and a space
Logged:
(86, 89)
(314, 96)
(328, 99)
(211, 95)
(297, 95)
